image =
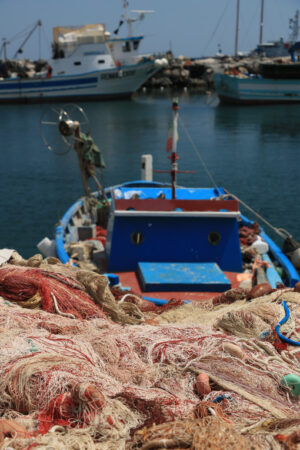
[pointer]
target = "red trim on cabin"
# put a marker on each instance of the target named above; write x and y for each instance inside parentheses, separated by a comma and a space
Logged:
(157, 204)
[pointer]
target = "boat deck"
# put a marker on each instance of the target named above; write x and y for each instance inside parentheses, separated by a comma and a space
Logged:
(130, 279)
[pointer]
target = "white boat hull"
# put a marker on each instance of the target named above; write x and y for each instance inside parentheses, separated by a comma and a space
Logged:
(232, 89)
(109, 83)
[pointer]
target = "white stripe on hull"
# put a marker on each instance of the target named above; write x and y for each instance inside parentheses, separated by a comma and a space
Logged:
(105, 83)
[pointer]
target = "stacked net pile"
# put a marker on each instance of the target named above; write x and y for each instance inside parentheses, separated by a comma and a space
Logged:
(53, 292)
(92, 373)
(55, 379)
(207, 433)
(68, 292)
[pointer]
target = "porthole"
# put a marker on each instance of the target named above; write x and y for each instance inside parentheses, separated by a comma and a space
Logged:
(214, 237)
(101, 61)
(137, 237)
(77, 63)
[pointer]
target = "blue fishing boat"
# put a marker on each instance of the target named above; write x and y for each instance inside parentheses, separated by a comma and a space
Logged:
(165, 241)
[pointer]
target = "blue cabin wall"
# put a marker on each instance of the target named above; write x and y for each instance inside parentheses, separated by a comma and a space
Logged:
(172, 239)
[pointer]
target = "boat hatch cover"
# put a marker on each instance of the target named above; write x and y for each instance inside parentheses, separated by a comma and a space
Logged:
(189, 277)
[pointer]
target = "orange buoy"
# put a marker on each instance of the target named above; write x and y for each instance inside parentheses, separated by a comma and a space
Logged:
(202, 384)
(297, 287)
(259, 290)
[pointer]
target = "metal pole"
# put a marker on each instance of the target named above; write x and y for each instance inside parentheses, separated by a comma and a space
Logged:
(38, 24)
(4, 49)
(261, 26)
(174, 157)
(237, 27)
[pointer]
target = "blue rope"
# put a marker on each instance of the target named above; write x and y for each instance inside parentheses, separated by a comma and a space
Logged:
(160, 301)
(156, 301)
(285, 319)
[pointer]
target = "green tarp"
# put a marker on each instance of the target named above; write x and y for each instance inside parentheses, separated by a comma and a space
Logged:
(90, 151)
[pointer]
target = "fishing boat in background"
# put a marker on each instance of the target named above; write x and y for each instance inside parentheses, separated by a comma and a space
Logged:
(274, 83)
(277, 81)
(162, 240)
(87, 63)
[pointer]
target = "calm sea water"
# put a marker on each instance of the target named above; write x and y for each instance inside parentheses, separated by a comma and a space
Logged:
(254, 152)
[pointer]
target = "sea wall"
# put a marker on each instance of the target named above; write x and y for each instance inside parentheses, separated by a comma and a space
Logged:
(184, 72)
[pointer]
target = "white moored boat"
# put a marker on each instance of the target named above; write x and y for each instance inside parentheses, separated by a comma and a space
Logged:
(87, 63)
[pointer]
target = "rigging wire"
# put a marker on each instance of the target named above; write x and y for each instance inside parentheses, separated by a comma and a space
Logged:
(281, 14)
(40, 44)
(46, 39)
(280, 231)
(197, 153)
(22, 33)
(216, 27)
(250, 24)
(26, 33)
(272, 34)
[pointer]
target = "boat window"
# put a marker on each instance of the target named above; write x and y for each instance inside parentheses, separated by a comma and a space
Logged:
(137, 237)
(126, 46)
(214, 237)
(57, 52)
(77, 63)
(136, 45)
(101, 61)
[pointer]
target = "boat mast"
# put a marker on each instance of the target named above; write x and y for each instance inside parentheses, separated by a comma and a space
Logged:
(3, 48)
(174, 157)
(20, 49)
(294, 27)
(126, 17)
(261, 25)
(130, 20)
(237, 27)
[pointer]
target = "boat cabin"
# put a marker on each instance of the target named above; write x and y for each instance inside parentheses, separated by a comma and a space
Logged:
(125, 50)
(151, 233)
(91, 48)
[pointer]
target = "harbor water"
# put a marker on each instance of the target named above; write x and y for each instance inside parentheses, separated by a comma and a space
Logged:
(254, 152)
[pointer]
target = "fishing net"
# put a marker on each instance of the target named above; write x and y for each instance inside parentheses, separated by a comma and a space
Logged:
(102, 373)
(62, 438)
(65, 291)
(58, 380)
(97, 287)
(53, 292)
(208, 433)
